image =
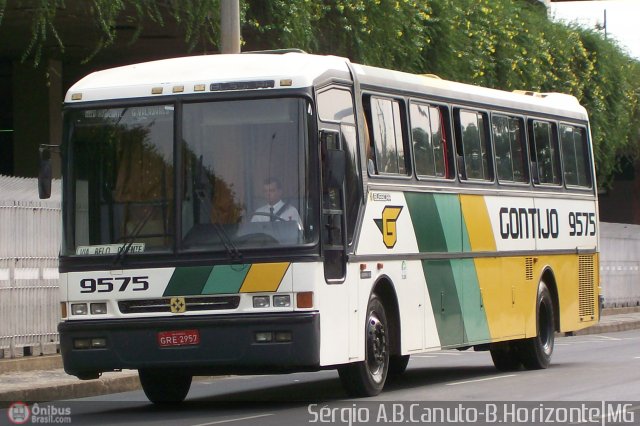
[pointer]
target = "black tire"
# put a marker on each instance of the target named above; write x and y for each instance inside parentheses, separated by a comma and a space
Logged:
(505, 356)
(535, 353)
(398, 364)
(164, 387)
(367, 378)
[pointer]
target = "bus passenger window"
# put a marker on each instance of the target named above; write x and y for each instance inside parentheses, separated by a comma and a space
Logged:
(545, 153)
(511, 153)
(575, 159)
(386, 130)
(475, 145)
(429, 141)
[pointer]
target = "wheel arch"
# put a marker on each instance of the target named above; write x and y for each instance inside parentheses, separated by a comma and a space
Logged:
(550, 280)
(385, 290)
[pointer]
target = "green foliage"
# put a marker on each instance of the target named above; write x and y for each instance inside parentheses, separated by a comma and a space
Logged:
(505, 44)
(513, 45)
(198, 19)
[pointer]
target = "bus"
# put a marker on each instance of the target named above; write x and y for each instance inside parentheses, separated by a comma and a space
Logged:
(420, 215)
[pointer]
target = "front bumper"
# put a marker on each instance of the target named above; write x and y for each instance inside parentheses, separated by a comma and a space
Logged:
(227, 344)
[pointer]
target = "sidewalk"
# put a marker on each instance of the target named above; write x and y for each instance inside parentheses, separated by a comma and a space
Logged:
(42, 378)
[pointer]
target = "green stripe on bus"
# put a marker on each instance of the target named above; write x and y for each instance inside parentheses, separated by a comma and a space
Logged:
(226, 279)
(426, 222)
(444, 301)
(188, 281)
(473, 314)
(451, 220)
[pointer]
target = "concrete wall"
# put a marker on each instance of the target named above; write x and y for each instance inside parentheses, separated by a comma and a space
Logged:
(620, 264)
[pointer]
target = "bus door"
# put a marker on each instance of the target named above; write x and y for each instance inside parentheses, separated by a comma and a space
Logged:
(341, 196)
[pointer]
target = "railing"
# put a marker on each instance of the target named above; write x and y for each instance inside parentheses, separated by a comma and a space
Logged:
(620, 264)
(30, 232)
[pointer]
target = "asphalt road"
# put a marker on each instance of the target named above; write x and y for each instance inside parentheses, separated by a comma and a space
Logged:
(584, 368)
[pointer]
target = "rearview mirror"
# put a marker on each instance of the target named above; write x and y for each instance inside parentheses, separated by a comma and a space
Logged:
(45, 173)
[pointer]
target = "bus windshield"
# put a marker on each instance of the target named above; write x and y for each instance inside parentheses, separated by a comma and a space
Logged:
(239, 170)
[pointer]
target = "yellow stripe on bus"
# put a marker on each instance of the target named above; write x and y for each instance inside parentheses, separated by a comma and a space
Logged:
(264, 277)
(478, 224)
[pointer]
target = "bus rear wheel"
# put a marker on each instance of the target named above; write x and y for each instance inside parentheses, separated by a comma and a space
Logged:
(505, 356)
(367, 378)
(535, 353)
(164, 387)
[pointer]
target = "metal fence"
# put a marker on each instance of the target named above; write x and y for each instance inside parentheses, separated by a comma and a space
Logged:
(30, 235)
(620, 264)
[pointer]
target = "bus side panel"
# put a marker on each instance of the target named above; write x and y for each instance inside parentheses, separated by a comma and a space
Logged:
(576, 278)
(502, 286)
(332, 301)
(389, 228)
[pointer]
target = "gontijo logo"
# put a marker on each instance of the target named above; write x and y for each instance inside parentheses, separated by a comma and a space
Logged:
(387, 225)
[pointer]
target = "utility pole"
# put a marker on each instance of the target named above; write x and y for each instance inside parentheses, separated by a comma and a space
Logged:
(229, 26)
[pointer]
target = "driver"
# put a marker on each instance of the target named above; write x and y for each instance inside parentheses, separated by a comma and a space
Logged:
(276, 209)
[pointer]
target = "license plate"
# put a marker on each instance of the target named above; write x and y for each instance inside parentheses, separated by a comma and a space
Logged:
(178, 338)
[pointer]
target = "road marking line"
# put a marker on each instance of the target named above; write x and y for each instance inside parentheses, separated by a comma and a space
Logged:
(481, 380)
(636, 357)
(235, 420)
(423, 356)
(606, 337)
(449, 353)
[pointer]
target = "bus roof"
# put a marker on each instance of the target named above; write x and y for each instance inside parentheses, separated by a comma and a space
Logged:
(547, 103)
(193, 74)
(259, 71)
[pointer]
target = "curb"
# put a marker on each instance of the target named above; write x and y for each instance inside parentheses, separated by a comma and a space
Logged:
(44, 362)
(608, 328)
(78, 389)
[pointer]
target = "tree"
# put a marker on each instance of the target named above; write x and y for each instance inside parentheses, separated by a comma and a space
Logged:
(503, 44)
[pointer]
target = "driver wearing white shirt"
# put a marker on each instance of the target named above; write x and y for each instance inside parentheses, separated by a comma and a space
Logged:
(275, 209)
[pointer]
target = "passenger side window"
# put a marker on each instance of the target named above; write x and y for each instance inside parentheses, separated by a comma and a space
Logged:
(575, 157)
(545, 153)
(428, 136)
(510, 146)
(384, 114)
(335, 105)
(474, 141)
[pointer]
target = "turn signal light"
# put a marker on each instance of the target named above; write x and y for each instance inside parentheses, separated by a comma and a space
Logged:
(304, 299)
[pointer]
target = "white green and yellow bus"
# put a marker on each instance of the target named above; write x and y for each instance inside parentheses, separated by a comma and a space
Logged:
(423, 215)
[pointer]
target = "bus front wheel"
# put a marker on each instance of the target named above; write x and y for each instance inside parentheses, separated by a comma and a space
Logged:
(367, 378)
(164, 386)
(535, 353)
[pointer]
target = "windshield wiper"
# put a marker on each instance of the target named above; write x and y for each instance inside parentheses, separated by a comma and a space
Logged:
(130, 238)
(226, 241)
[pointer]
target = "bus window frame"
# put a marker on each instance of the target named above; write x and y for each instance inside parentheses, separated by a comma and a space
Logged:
(335, 125)
(525, 139)
(404, 122)
(459, 148)
(589, 156)
(445, 117)
(532, 150)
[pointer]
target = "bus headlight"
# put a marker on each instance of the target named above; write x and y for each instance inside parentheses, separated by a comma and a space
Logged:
(281, 301)
(261, 302)
(78, 309)
(98, 308)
